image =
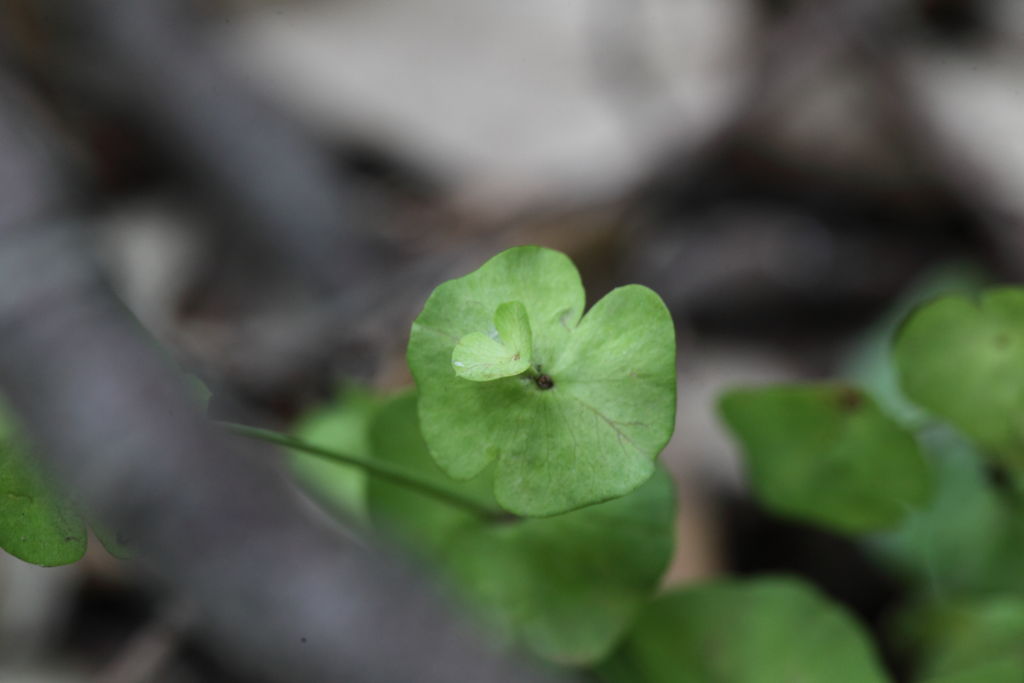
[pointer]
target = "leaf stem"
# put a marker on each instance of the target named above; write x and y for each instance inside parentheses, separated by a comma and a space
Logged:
(378, 468)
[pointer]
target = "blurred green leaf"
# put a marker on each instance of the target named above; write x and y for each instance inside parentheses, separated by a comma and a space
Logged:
(569, 585)
(969, 539)
(566, 586)
(827, 455)
(420, 522)
(869, 363)
(770, 630)
(197, 390)
(36, 525)
(341, 425)
(963, 360)
(998, 671)
(981, 641)
(113, 542)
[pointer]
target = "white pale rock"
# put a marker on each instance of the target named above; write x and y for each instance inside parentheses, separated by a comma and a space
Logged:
(976, 102)
(510, 103)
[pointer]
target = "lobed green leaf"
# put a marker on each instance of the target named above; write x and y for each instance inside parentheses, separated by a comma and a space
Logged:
(586, 423)
(961, 641)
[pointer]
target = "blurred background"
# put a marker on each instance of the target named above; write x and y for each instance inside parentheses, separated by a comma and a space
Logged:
(273, 187)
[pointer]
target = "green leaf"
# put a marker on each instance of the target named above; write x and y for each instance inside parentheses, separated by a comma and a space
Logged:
(481, 358)
(869, 364)
(968, 539)
(760, 631)
(35, 524)
(963, 360)
(114, 542)
(976, 640)
(570, 584)
(825, 454)
(997, 671)
(567, 587)
(513, 326)
(340, 425)
(585, 423)
(419, 521)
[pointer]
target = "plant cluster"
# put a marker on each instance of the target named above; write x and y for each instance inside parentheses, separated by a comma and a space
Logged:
(523, 469)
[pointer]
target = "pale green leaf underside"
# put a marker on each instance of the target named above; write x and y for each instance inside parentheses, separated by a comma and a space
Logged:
(963, 360)
(760, 631)
(827, 455)
(567, 587)
(591, 437)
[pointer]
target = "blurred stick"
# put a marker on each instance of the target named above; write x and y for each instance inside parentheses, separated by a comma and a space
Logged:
(272, 182)
(255, 164)
(281, 598)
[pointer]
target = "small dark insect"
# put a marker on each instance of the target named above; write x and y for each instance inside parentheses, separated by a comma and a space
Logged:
(544, 382)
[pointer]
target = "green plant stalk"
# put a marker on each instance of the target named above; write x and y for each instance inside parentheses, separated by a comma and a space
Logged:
(378, 468)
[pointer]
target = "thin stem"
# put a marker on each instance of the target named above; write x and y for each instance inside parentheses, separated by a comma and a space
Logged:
(378, 468)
